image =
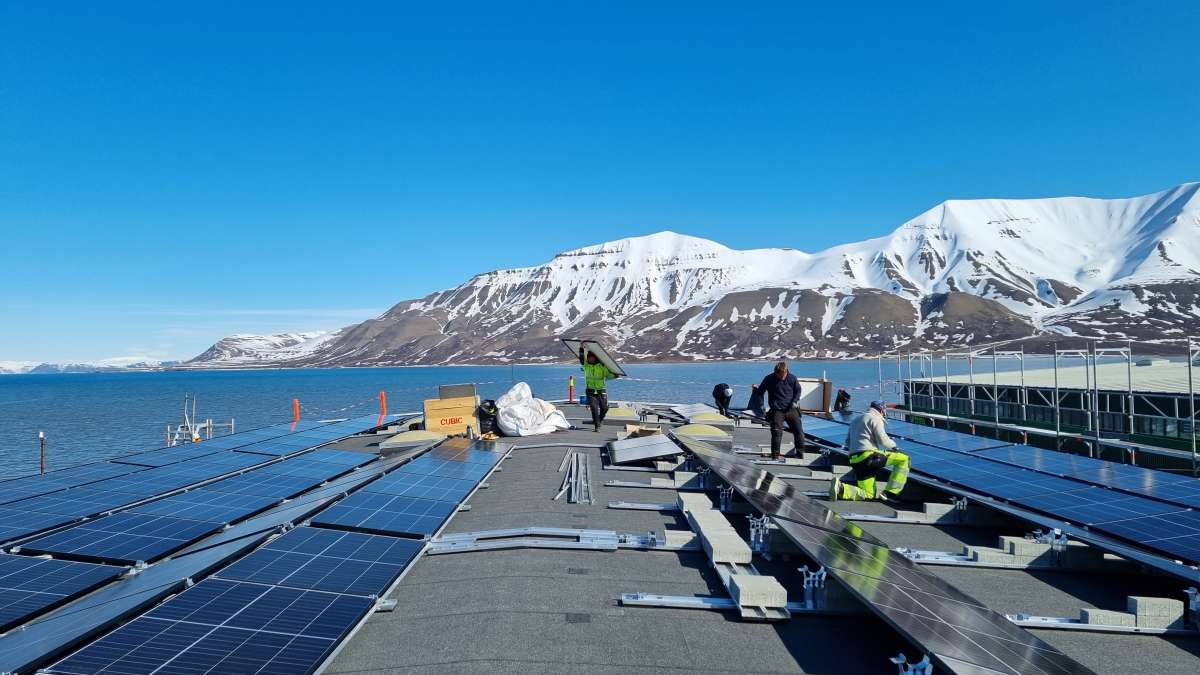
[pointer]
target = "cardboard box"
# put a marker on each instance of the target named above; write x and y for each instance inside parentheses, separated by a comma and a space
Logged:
(451, 416)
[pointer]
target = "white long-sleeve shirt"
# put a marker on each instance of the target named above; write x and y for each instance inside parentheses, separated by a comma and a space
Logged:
(867, 432)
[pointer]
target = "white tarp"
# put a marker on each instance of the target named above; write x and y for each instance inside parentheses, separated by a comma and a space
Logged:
(520, 414)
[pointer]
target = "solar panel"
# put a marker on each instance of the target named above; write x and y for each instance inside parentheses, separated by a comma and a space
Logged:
(167, 456)
(387, 514)
(327, 560)
(220, 626)
(32, 586)
(430, 466)
(31, 486)
(344, 458)
(264, 485)
(123, 538)
(17, 523)
(300, 467)
(424, 486)
(1158, 485)
(77, 502)
(203, 504)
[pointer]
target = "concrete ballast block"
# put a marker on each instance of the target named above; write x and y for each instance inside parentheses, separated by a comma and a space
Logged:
(726, 547)
(752, 590)
(990, 555)
(1023, 546)
(1107, 617)
(935, 510)
(694, 501)
(1145, 606)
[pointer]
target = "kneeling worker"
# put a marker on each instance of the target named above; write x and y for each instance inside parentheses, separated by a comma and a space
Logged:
(872, 455)
(595, 375)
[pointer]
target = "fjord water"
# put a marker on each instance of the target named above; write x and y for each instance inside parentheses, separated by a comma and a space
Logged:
(90, 417)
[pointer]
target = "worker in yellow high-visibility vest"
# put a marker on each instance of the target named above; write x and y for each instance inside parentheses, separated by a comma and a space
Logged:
(873, 455)
(596, 375)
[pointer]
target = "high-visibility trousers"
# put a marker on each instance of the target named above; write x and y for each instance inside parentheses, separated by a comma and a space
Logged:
(867, 487)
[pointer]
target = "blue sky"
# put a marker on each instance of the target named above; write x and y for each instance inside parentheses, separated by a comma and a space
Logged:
(169, 175)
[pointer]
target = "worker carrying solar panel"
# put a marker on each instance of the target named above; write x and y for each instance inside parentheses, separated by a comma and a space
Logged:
(596, 375)
(873, 455)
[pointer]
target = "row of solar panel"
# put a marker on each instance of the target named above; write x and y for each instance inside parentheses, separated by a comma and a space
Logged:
(418, 497)
(15, 489)
(948, 625)
(151, 531)
(1159, 485)
(1085, 491)
(37, 503)
(281, 609)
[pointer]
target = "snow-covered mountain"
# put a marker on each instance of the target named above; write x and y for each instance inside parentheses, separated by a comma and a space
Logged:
(101, 366)
(246, 349)
(962, 272)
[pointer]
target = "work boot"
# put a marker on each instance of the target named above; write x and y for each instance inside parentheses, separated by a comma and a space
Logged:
(835, 489)
(892, 500)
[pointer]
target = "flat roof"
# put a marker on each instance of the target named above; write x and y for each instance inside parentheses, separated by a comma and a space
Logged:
(549, 610)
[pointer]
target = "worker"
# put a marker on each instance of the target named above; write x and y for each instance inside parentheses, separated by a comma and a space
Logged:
(872, 455)
(782, 391)
(595, 375)
(722, 395)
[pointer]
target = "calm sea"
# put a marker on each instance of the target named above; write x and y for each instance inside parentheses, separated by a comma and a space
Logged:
(88, 417)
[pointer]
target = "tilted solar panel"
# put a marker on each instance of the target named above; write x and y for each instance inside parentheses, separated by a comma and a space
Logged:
(124, 538)
(220, 626)
(327, 560)
(204, 504)
(32, 586)
(18, 523)
(421, 485)
(387, 514)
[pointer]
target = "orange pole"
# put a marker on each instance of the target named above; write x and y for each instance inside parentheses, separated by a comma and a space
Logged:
(295, 410)
(571, 389)
(383, 403)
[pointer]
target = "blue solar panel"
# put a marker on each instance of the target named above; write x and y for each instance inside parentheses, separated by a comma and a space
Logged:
(344, 458)
(17, 523)
(431, 466)
(32, 586)
(327, 560)
(123, 537)
(221, 626)
(77, 502)
(203, 504)
(32, 486)
(387, 514)
(262, 484)
(424, 486)
(1159, 485)
(167, 456)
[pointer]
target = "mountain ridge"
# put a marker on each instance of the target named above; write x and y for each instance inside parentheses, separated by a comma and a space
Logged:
(964, 271)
